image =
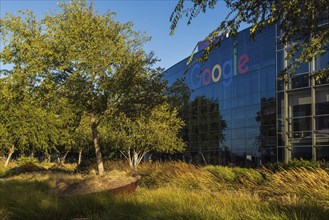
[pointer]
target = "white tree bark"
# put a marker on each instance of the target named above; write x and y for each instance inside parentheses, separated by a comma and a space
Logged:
(11, 151)
(80, 156)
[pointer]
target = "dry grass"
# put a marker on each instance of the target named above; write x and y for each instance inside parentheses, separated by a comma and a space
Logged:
(175, 191)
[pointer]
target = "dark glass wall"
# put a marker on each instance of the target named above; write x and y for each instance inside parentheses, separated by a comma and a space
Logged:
(231, 111)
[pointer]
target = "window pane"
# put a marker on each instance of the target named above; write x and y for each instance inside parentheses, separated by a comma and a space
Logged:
(322, 122)
(322, 153)
(322, 108)
(301, 110)
(322, 61)
(238, 118)
(301, 153)
(302, 124)
(300, 81)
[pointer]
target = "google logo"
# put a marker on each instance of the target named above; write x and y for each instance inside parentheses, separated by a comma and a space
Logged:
(231, 67)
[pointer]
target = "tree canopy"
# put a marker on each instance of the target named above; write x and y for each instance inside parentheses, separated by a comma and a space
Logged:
(25, 123)
(303, 24)
(155, 132)
(73, 69)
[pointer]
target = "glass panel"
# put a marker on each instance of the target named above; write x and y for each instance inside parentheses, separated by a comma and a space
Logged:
(301, 110)
(280, 140)
(322, 153)
(267, 79)
(279, 85)
(281, 154)
(241, 84)
(322, 81)
(239, 133)
(238, 157)
(301, 124)
(213, 136)
(322, 61)
(252, 99)
(238, 118)
(300, 81)
(269, 155)
(225, 104)
(322, 138)
(226, 116)
(252, 85)
(280, 61)
(252, 113)
(238, 102)
(303, 68)
(278, 44)
(269, 95)
(322, 122)
(280, 106)
(301, 153)
(278, 30)
(238, 144)
(227, 135)
(322, 108)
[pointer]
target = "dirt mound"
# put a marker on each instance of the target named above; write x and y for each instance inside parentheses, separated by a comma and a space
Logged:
(116, 182)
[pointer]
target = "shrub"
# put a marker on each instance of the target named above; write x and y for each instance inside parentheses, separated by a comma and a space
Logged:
(297, 163)
(236, 175)
(221, 173)
(27, 160)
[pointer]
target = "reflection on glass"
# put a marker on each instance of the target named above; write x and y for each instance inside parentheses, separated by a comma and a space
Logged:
(266, 141)
(205, 121)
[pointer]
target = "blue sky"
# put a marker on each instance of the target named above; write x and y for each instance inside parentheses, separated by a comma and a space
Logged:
(149, 16)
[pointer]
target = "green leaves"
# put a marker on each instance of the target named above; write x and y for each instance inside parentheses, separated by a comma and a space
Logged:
(24, 122)
(68, 68)
(156, 132)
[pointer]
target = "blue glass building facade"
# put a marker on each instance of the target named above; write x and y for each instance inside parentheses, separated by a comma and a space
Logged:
(234, 112)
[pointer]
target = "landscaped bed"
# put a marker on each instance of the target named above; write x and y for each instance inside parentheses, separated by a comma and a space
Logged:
(168, 191)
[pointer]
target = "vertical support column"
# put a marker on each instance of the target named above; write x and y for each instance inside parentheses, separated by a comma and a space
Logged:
(287, 149)
(313, 110)
(286, 121)
(276, 94)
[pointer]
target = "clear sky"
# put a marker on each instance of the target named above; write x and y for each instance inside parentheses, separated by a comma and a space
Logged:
(149, 16)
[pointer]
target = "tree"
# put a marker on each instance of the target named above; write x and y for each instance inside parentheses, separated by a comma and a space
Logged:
(146, 91)
(157, 132)
(48, 94)
(303, 24)
(4, 141)
(25, 125)
(94, 58)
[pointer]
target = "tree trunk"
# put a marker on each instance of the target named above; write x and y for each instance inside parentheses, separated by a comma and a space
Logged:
(47, 156)
(11, 151)
(135, 160)
(130, 159)
(64, 157)
(80, 156)
(96, 145)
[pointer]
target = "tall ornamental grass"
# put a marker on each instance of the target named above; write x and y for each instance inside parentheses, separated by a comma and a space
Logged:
(176, 190)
